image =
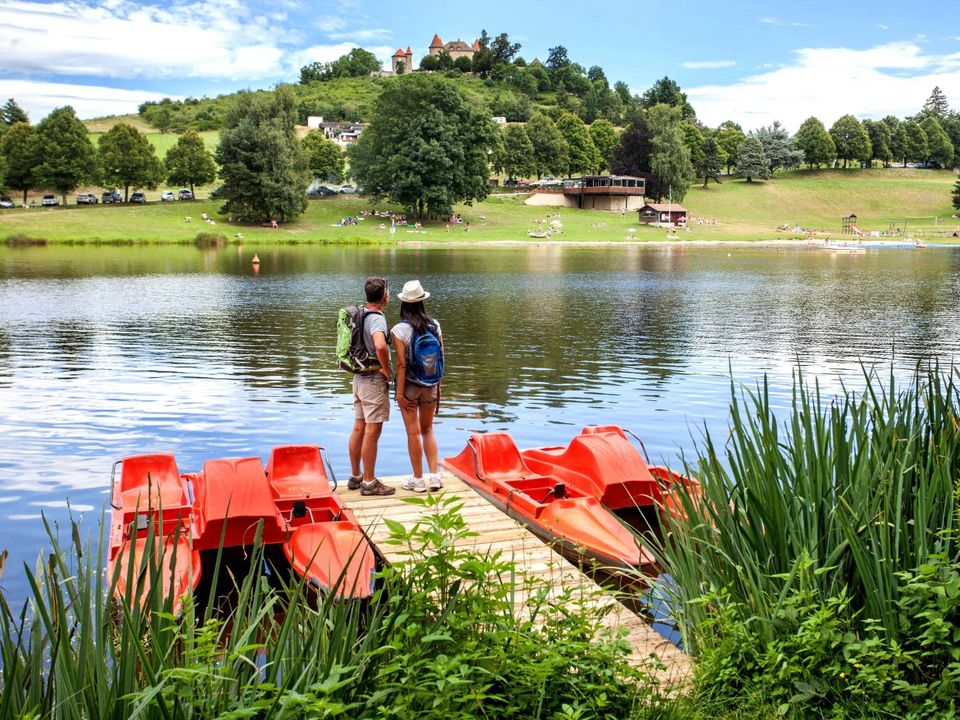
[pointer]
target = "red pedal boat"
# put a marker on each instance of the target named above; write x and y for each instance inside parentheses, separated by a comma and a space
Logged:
(581, 496)
(224, 504)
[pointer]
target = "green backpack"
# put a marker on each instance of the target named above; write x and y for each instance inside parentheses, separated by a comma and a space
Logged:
(352, 354)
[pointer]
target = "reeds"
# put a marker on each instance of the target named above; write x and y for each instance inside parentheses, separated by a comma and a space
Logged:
(840, 499)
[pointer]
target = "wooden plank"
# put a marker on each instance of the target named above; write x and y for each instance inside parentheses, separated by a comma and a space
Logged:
(534, 560)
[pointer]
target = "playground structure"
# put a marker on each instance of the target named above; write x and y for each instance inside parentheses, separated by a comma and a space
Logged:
(907, 227)
(850, 226)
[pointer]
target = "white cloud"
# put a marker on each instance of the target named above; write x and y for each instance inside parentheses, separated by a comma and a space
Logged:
(365, 35)
(707, 64)
(895, 78)
(881, 26)
(777, 22)
(39, 98)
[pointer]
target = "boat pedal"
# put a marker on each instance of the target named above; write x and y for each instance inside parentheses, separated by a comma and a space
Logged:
(560, 490)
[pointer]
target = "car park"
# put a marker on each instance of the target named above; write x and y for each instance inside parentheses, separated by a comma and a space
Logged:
(49, 201)
(138, 197)
(87, 199)
(167, 196)
(6, 202)
(111, 196)
(186, 194)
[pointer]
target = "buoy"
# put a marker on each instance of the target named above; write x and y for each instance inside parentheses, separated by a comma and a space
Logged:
(256, 260)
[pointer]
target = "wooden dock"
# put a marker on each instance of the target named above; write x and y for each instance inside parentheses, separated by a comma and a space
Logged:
(495, 531)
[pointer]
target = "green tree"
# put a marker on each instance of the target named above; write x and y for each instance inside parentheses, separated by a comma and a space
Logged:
(425, 147)
(582, 155)
(262, 167)
(503, 50)
(896, 138)
(956, 196)
(879, 133)
(939, 148)
(669, 156)
(356, 63)
(549, 147)
(937, 104)
(66, 157)
(951, 126)
(851, 140)
(729, 137)
(19, 149)
(778, 147)
(13, 113)
(429, 63)
(515, 156)
(189, 163)
(463, 64)
(325, 158)
(667, 92)
(910, 141)
(694, 140)
(557, 58)
(751, 162)
(632, 156)
(128, 159)
(711, 160)
(813, 140)
(605, 140)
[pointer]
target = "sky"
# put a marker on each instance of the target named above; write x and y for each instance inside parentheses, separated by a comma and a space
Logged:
(750, 62)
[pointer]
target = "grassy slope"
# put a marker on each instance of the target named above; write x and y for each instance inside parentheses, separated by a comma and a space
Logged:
(744, 211)
(164, 141)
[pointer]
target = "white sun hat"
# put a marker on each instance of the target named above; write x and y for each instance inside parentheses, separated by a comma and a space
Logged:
(413, 292)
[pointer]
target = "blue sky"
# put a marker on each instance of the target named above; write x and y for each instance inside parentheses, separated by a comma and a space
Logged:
(752, 62)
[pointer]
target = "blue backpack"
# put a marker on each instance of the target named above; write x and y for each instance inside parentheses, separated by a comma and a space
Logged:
(425, 357)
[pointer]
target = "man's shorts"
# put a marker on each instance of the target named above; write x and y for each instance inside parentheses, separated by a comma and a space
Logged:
(421, 394)
(371, 398)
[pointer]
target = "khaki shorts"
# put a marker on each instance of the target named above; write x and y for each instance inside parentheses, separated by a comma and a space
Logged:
(371, 398)
(423, 395)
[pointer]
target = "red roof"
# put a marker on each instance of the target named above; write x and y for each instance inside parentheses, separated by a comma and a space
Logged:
(664, 207)
(437, 42)
(398, 53)
(476, 45)
(409, 51)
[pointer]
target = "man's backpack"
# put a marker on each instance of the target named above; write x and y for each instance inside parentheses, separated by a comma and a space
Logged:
(352, 354)
(425, 357)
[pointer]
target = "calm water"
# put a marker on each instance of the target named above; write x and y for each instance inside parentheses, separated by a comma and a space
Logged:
(110, 351)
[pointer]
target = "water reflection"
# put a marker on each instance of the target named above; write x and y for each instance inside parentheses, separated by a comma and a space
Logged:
(115, 350)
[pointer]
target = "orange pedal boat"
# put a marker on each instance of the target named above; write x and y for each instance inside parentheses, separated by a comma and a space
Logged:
(223, 506)
(582, 496)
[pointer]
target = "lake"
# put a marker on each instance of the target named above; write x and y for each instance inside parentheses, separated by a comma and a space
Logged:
(109, 351)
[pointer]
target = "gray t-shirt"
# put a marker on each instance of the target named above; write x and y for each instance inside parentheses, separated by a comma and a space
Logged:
(375, 322)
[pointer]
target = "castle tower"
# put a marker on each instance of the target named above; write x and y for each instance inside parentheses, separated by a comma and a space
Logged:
(436, 46)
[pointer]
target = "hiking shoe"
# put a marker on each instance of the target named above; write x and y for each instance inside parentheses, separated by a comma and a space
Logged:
(414, 483)
(354, 482)
(376, 488)
(435, 482)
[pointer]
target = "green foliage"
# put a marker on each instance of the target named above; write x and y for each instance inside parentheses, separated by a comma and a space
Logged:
(425, 148)
(816, 144)
(939, 147)
(605, 140)
(19, 149)
(263, 170)
(778, 147)
(190, 114)
(549, 148)
(879, 133)
(667, 92)
(440, 639)
(189, 163)
(325, 158)
(851, 140)
(65, 156)
(729, 137)
(11, 113)
(515, 153)
(751, 161)
(356, 63)
(694, 141)
(711, 160)
(817, 566)
(937, 104)
(463, 64)
(669, 156)
(910, 140)
(956, 196)
(127, 159)
(582, 156)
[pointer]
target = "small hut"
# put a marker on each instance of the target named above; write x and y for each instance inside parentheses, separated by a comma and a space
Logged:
(663, 214)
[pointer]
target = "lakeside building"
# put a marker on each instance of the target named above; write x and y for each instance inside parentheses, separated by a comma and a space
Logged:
(614, 193)
(666, 214)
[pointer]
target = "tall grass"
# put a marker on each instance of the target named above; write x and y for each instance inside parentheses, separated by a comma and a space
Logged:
(835, 528)
(440, 638)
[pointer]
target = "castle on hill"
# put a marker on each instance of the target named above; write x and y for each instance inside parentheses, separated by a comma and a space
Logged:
(402, 60)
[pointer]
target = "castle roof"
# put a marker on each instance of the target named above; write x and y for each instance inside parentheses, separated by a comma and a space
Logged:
(437, 42)
(476, 46)
(399, 53)
(409, 51)
(457, 44)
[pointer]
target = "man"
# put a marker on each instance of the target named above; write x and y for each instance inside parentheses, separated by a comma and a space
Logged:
(371, 395)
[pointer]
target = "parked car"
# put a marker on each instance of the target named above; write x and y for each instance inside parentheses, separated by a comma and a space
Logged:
(321, 191)
(347, 189)
(111, 196)
(87, 199)
(167, 196)
(6, 202)
(49, 201)
(185, 194)
(138, 196)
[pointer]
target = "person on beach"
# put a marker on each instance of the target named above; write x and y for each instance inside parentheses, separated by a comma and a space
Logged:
(371, 395)
(418, 342)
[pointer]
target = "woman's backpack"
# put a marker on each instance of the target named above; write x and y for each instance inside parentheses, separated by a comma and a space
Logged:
(425, 356)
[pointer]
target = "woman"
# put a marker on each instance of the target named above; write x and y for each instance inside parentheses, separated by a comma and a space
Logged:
(419, 346)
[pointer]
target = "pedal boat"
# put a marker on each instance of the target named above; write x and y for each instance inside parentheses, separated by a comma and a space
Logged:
(590, 497)
(188, 519)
